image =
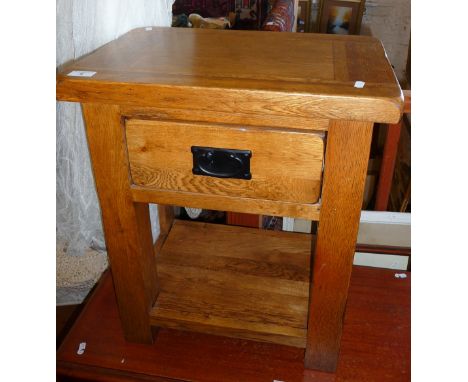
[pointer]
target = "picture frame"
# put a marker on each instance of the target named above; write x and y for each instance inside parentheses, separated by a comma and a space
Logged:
(340, 16)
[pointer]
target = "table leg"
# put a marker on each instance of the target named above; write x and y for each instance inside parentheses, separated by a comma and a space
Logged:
(166, 220)
(346, 161)
(388, 166)
(126, 224)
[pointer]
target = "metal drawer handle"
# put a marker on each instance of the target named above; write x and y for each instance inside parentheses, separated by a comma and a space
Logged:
(221, 163)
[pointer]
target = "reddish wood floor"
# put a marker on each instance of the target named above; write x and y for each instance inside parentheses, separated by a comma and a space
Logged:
(375, 345)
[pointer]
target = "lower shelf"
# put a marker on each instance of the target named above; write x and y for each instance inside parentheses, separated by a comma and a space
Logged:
(234, 281)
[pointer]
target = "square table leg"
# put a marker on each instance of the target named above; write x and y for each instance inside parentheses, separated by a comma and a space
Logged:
(126, 224)
(346, 160)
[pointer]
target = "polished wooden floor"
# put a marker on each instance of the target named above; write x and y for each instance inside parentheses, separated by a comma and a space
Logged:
(375, 345)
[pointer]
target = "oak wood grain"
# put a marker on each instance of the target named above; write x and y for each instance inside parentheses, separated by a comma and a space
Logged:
(227, 203)
(285, 165)
(126, 223)
(234, 281)
(267, 83)
(348, 145)
(197, 69)
(234, 117)
(166, 219)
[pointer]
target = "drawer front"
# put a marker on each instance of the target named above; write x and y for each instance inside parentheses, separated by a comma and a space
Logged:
(284, 165)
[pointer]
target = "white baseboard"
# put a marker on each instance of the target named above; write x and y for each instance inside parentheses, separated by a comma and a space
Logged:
(385, 228)
(381, 261)
(375, 228)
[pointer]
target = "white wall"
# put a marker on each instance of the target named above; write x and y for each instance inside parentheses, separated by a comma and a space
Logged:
(83, 26)
(390, 21)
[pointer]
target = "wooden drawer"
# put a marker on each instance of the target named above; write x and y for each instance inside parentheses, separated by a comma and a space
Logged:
(285, 165)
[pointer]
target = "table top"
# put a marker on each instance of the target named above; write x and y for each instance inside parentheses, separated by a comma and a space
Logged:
(317, 73)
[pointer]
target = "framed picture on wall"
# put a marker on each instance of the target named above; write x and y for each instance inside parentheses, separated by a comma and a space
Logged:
(341, 16)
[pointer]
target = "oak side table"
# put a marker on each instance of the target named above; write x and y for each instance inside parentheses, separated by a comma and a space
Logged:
(258, 122)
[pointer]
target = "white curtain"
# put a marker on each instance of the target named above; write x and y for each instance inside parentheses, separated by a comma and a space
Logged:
(83, 26)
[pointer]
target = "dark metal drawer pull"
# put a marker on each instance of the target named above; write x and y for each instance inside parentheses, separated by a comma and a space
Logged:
(221, 163)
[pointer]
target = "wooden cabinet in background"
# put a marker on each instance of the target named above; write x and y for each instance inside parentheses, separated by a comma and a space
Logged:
(268, 112)
(303, 16)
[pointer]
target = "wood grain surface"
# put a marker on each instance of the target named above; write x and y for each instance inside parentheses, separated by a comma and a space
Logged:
(375, 346)
(285, 165)
(281, 85)
(234, 281)
(126, 224)
(347, 155)
(166, 219)
(226, 203)
(278, 74)
(233, 117)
